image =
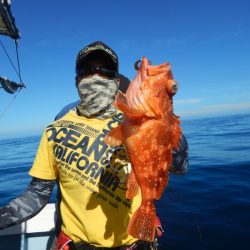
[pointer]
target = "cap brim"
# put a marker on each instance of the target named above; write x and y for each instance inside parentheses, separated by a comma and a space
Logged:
(96, 55)
(124, 83)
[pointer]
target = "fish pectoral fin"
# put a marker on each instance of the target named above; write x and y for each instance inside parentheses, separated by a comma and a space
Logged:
(114, 136)
(133, 186)
(176, 132)
(130, 112)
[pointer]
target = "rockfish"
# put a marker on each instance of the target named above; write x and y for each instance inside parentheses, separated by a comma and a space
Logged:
(150, 131)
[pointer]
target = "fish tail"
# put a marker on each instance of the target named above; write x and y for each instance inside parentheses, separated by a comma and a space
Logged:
(142, 224)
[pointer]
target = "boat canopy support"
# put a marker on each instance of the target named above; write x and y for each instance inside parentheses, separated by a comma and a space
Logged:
(7, 21)
(10, 86)
(8, 28)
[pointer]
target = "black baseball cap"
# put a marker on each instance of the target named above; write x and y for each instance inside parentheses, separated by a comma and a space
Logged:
(99, 49)
(103, 51)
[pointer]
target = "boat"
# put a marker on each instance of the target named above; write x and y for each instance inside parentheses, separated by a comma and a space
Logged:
(8, 28)
(36, 233)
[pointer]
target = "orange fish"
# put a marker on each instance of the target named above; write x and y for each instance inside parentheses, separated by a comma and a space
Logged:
(149, 132)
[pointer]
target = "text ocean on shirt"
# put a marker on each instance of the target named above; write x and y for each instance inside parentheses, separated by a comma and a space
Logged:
(113, 176)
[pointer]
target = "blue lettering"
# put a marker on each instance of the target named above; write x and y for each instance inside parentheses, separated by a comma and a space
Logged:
(57, 136)
(73, 158)
(98, 147)
(58, 151)
(93, 166)
(99, 172)
(82, 163)
(71, 138)
(83, 145)
(53, 133)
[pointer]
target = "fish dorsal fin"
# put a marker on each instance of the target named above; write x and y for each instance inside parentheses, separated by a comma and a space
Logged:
(130, 112)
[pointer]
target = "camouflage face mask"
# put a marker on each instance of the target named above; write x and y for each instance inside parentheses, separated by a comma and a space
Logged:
(96, 96)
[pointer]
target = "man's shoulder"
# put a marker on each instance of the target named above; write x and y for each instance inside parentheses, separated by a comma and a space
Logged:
(66, 109)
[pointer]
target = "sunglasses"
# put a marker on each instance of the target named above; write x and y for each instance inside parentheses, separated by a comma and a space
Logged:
(102, 71)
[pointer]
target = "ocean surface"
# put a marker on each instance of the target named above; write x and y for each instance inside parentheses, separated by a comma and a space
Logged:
(208, 208)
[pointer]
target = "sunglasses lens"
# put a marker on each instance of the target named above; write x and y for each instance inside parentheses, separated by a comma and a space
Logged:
(107, 72)
(88, 71)
(84, 72)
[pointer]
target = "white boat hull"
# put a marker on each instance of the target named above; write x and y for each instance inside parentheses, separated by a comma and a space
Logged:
(34, 234)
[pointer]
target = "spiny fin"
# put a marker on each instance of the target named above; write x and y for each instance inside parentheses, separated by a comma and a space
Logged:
(133, 186)
(130, 112)
(114, 136)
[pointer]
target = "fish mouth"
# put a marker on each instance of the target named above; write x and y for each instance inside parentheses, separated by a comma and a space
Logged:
(142, 66)
(137, 64)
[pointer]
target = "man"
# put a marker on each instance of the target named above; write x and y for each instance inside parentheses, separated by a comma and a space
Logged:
(91, 175)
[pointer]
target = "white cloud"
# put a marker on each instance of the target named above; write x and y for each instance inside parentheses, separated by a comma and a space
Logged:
(188, 101)
(229, 108)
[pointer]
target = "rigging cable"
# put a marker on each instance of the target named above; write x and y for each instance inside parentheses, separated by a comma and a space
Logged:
(18, 63)
(18, 72)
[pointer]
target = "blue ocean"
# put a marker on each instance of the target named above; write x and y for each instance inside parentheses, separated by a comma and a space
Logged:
(208, 208)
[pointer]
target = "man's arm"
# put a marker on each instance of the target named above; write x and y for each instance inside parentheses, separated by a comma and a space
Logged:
(180, 160)
(29, 204)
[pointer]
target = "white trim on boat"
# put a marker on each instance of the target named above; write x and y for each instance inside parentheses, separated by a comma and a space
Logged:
(34, 234)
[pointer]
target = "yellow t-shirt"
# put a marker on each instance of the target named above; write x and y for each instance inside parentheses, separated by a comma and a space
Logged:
(92, 178)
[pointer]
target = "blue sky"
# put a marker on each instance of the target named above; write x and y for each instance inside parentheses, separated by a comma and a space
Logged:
(207, 43)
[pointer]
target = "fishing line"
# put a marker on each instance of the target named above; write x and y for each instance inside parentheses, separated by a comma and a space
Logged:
(180, 197)
(10, 103)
